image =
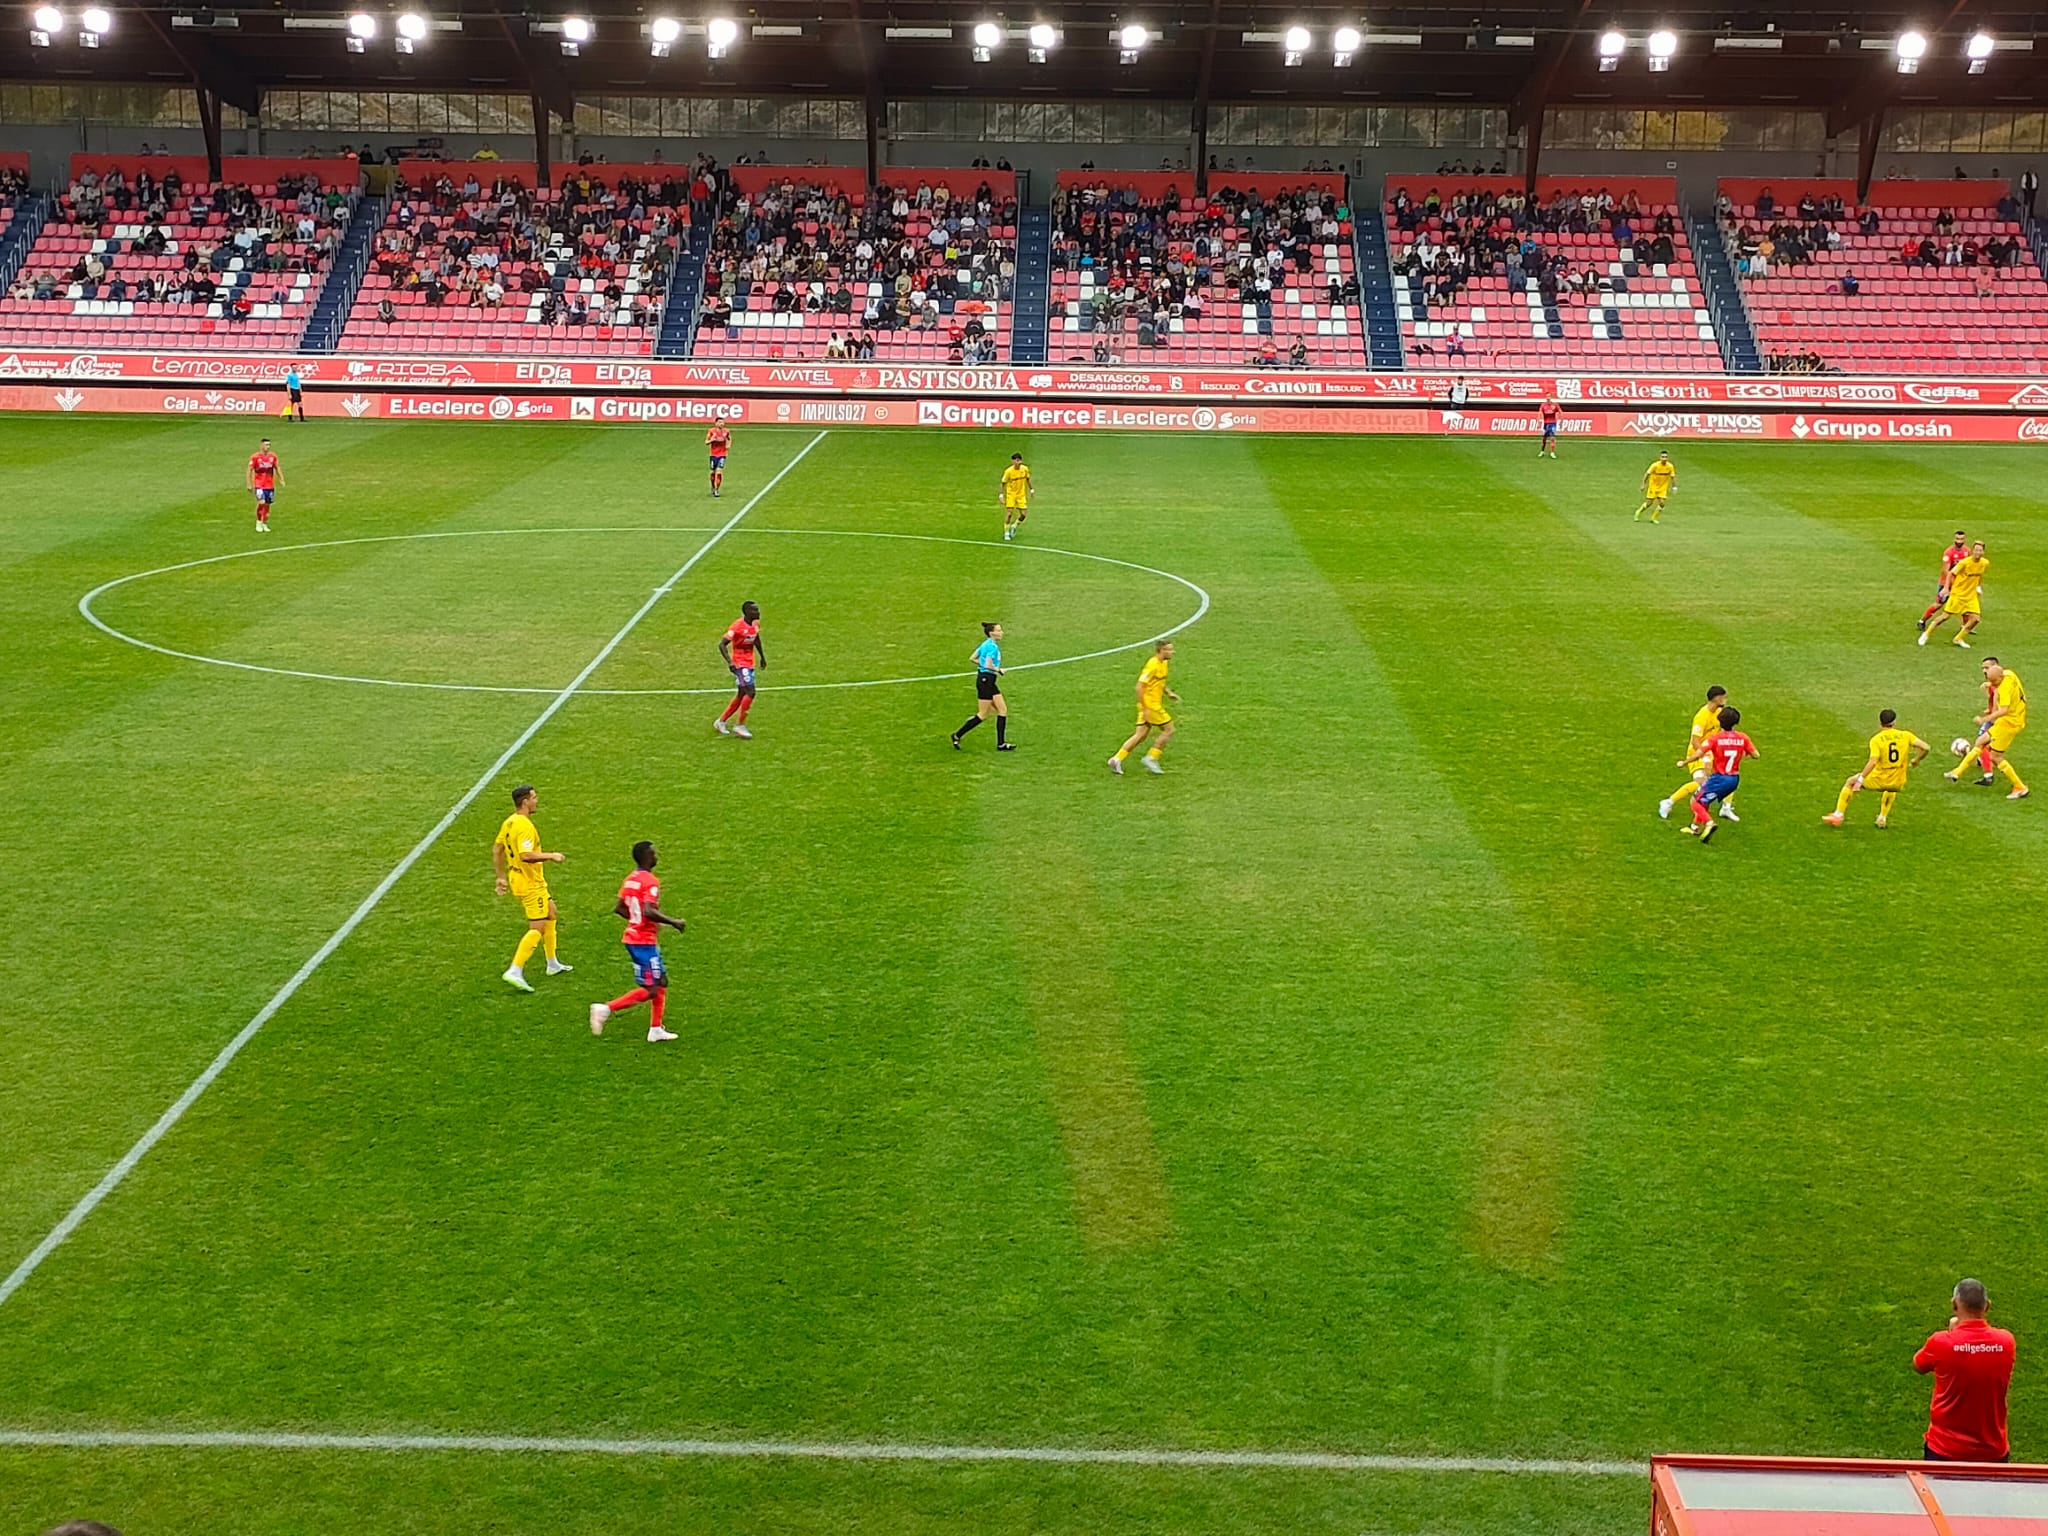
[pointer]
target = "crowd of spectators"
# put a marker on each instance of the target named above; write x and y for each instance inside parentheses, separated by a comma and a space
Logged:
(920, 258)
(225, 239)
(1154, 270)
(467, 244)
(14, 183)
(1807, 361)
(1790, 238)
(1502, 234)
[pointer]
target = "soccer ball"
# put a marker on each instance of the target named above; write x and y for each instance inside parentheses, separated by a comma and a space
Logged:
(1960, 745)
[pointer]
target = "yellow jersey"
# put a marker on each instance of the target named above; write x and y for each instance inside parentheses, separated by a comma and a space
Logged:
(1706, 721)
(1892, 752)
(1967, 576)
(2012, 698)
(517, 836)
(1016, 483)
(1660, 476)
(1152, 684)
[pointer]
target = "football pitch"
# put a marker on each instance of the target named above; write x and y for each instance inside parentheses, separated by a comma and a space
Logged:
(1385, 1083)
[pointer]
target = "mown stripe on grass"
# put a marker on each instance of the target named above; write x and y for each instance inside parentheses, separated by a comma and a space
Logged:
(1548, 1079)
(1077, 1018)
(803, 1450)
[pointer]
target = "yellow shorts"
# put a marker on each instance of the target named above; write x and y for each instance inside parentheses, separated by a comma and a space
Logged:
(533, 900)
(1961, 604)
(1154, 717)
(1013, 503)
(2003, 734)
(1884, 781)
(1656, 498)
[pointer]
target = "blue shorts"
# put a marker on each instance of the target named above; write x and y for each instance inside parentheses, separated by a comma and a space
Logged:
(743, 676)
(266, 496)
(1717, 786)
(647, 967)
(1550, 429)
(718, 461)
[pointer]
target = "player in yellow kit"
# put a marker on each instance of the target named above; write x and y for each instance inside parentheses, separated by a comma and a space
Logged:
(521, 865)
(1657, 482)
(1016, 495)
(2001, 724)
(1965, 600)
(1152, 696)
(1706, 721)
(1892, 752)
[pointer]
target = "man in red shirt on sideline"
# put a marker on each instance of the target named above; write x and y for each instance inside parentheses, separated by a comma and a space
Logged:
(1972, 1366)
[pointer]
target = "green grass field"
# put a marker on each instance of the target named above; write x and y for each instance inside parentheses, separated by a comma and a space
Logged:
(1386, 1079)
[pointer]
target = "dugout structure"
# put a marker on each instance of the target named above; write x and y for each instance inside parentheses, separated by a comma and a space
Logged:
(1791, 1496)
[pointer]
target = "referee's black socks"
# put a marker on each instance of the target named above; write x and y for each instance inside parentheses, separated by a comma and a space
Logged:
(972, 722)
(1002, 729)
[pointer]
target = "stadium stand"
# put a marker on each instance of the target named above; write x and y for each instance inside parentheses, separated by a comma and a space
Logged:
(806, 264)
(1261, 272)
(1922, 277)
(1594, 276)
(476, 257)
(146, 252)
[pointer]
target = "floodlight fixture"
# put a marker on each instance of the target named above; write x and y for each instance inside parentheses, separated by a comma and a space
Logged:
(1910, 48)
(1662, 45)
(1979, 50)
(1130, 41)
(662, 35)
(720, 33)
(1295, 45)
(1613, 44)
(1345, 43)
(1041, 40)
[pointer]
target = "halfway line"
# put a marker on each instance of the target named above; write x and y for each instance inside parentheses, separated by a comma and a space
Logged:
(805, 1450)
(170, 1117)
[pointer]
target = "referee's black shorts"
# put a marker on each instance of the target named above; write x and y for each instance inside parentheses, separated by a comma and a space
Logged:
(987, 685)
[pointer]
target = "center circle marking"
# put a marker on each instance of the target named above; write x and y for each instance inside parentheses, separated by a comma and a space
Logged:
(85, 608)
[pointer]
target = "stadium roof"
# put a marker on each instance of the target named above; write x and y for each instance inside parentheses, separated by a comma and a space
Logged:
(1521, 57)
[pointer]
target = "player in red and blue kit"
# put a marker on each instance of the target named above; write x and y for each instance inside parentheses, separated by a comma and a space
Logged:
(263, 481)
(1724, 752)
(716, 441)
(639, 904)
(1550, 414)
(741, 647)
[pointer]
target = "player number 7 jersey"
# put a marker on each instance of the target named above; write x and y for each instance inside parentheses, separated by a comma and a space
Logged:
(1725, 751)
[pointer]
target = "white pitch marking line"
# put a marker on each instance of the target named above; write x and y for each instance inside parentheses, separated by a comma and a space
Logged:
(86, 609)
(806, 1450)
(113, 1177)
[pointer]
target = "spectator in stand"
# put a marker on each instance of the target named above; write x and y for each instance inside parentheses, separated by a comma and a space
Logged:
(1851, 285)
(1297, 355)
(1972, 1363)
(2030, 188)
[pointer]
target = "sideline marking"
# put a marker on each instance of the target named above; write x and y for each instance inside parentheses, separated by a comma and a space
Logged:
(86, 610)
(111, 1180)
(807, 1450)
